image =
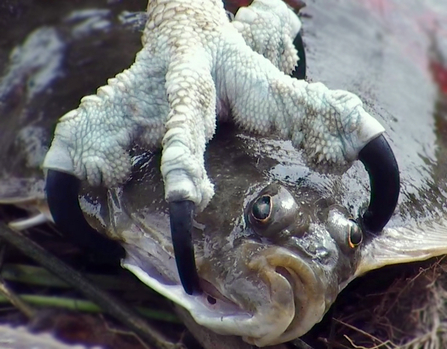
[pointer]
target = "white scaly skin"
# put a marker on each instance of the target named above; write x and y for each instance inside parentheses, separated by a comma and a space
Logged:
(269, 28)
(195, 65)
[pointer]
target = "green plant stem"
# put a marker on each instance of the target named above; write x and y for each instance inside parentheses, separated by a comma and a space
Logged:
(108, 303)
(10, 297)
(86, 306)
(34, 275)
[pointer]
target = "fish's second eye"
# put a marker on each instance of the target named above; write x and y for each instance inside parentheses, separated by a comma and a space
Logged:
(262, 209)
(355, 235)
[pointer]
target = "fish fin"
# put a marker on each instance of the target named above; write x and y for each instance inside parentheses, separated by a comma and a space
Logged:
(28, 194)
(404, 245)
(26, 223)
(17, 191)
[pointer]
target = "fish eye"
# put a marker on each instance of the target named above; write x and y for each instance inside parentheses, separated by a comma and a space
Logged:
(262, 209)
(355, 234)
(274, 211)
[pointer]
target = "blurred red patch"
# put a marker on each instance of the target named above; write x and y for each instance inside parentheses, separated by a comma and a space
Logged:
(439, 73)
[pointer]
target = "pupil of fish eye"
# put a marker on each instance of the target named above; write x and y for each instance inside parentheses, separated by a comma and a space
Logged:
(261, 208)
(355, 236)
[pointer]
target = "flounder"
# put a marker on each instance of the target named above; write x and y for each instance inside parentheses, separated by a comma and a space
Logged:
(278, 242)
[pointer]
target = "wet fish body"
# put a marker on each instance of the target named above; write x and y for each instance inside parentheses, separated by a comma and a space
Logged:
(276, 244)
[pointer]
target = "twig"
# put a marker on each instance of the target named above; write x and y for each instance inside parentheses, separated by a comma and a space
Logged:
(300, 344)
(107, 302)
(408, 284)
(9, 295)
(123, 332)
(34, 275)
(362, 347)
(16, 301)
(332, 343)
(364, 333)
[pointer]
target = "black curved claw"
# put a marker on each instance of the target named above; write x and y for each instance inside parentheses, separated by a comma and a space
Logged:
(181, 215)
(62, 195)
(379, 161)
(300, 68)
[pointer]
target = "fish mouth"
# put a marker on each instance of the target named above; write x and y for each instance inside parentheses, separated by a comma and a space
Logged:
(277, 297)
(307, 287)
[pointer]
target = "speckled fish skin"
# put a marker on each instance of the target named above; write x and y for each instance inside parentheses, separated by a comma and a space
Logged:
(396, 87)
(195, 65)
(266, 285)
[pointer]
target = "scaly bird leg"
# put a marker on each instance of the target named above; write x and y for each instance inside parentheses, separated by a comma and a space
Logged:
(331, 126)
(191, 123)
(92, 142)
(192, 58)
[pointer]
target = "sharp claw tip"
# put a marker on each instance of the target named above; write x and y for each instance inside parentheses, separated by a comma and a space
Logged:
(181, 219)
(381, 165)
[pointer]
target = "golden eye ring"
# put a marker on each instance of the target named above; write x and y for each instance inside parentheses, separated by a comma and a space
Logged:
(262, 209)
(355, 234)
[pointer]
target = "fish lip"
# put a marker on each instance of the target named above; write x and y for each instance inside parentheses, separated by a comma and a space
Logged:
(308, 290)
(295, 303)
